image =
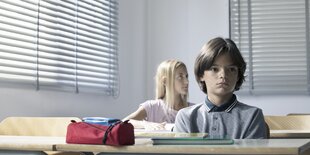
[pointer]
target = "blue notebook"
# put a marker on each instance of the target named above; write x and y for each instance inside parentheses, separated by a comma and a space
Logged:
(101, 120)
(190, 141)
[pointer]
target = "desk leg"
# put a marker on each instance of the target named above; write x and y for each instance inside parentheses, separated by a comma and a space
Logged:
(307, 152)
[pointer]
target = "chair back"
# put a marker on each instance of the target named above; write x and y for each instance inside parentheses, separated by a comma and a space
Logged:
(291, 122)
(35, 126)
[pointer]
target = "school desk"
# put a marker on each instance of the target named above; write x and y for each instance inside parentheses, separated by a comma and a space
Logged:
(145, 146)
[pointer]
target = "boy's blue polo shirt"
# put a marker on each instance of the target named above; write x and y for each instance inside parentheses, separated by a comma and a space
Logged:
(224, 107)
(233, 119)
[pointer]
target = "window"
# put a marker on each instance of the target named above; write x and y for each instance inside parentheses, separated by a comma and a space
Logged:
(66, 45)
(273, 37)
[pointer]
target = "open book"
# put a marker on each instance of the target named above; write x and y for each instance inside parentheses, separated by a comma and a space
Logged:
(190, 141)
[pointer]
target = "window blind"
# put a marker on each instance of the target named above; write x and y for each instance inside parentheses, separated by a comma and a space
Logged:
(60, 44)
(273, 37)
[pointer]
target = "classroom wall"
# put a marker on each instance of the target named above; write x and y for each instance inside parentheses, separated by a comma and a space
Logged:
(150, 31)
(178, 29)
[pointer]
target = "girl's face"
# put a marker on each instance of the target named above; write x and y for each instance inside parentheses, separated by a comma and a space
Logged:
(181, 81)
(222, 77)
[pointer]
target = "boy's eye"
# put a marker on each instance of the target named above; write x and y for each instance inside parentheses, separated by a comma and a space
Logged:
(233, 69)
(230, 69)
(214, 69)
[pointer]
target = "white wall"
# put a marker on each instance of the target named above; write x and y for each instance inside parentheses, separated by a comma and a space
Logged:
(150, 31)
(178, 29)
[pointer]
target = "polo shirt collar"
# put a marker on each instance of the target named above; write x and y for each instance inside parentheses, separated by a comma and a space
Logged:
(224, 107)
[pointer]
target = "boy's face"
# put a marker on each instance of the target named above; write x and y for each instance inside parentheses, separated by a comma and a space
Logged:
(222, 77)
(181, 81)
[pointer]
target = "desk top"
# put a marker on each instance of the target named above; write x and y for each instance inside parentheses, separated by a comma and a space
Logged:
(246, 146)
(33, 143)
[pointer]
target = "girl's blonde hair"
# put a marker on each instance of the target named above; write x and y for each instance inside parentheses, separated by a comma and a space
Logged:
(165, 79)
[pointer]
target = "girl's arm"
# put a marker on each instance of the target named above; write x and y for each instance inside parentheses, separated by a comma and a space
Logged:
(137, 119)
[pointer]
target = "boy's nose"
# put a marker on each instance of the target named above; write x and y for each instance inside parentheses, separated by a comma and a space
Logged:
(222, 73)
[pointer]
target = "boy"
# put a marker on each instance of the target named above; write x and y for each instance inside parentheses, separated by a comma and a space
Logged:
(219, 71)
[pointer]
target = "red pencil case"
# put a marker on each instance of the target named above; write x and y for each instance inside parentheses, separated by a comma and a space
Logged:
(120, 133)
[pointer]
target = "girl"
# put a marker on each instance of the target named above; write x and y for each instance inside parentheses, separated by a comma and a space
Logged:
(171, 96)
